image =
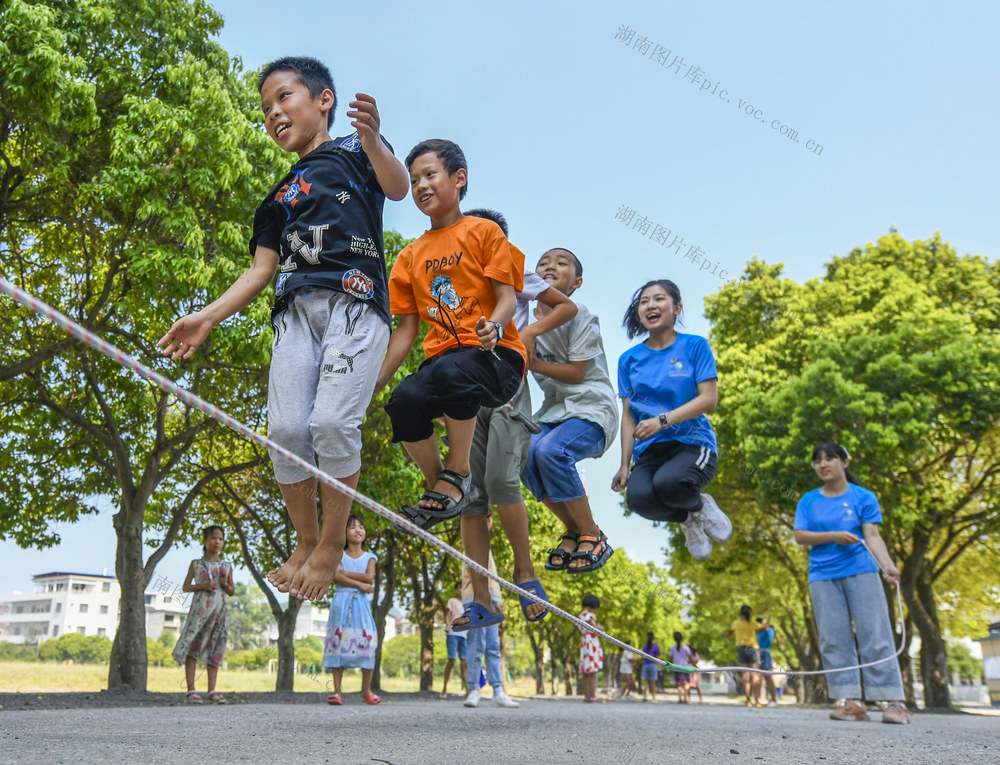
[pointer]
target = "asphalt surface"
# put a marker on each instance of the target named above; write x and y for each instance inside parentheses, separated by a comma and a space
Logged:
(410, 731)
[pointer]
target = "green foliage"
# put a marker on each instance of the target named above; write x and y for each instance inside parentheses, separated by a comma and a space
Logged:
(253, 659)
(312, 642)
(158, 653)
(963, 663)
(401, 656)
(308, 657)
(81, 649)
(249, 617)
(168, 638)
(17, 652)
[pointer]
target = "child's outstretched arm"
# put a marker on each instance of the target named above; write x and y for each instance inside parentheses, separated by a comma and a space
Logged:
(188, 333)
(389, 171)
(620, 481)
(563, 310)
(400, 344)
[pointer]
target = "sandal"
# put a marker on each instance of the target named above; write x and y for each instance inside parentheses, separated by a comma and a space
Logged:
(217, 698)
(564, 555)
(478, 616)
(192, 697)
(597, 555)
(335, 700)
(425, 517)
(372, 699)
(535, 587)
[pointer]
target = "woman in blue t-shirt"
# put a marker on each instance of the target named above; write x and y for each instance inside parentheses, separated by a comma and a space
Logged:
(667, 383)
(844, 584)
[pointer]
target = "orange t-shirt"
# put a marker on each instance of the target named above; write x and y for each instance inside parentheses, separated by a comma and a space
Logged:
(445, 277)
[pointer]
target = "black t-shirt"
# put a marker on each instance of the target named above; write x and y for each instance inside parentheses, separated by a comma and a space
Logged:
(324, 217)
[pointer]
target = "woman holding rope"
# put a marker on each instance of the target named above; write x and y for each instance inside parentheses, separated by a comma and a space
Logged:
(843, 581)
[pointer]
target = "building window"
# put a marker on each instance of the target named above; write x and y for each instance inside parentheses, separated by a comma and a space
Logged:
(79, 588)
(82, 630)
(148, 599)
(58, 607)
(19, 610)
(168, 618)
(104, 609)
(17, 630)
(83, 608)
(106, 587)
(101, 631)
(60, 586)
(55, 630)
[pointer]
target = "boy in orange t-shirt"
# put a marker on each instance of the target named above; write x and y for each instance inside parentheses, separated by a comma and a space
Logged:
(460, 277)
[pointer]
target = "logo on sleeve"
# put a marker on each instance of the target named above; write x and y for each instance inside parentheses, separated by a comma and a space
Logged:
(351, 143)
(358, 284)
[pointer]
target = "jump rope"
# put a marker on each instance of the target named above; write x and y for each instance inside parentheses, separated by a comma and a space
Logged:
(193, 401)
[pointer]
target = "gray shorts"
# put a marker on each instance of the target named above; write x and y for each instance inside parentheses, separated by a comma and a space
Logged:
(328, 349)
(499, 452)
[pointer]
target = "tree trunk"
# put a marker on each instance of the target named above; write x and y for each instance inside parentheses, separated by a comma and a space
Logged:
(128, 652)
(536, 649)
(918, 593)
(426, 656)
(286, 645)
(385, 585)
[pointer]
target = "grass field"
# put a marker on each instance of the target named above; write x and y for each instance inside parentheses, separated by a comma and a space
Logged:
(42, 677)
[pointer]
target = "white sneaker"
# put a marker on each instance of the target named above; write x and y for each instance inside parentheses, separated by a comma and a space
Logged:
(698, 544)
(472, 700)
(502, 700)
(715, 522)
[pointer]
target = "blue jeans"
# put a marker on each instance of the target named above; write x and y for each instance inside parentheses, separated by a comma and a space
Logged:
(861, 599)
(485, 640)
(550, 472)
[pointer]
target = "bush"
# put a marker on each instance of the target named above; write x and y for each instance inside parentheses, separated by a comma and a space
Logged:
(158, 655)
(309, 658)
(402, 652)
(17, 652)
(81, 649)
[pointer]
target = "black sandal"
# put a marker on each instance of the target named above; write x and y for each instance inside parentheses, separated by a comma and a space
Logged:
(597, 556)
(564, 555)
(426, 517)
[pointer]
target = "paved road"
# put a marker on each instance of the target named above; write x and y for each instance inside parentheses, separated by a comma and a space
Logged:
(558, 731)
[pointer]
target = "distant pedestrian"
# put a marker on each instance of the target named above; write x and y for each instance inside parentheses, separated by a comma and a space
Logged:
(626, 678)
(765, 636)
(591, 652)
(351, 636)
(747, 655)
(456, 642)
(681, 654)
(845, 587)
(694, 681)
(204, 635)
(649, 668)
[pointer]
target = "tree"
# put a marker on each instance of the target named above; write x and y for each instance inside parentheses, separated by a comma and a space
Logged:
(249, 618)
(130, 165)
(894, 355)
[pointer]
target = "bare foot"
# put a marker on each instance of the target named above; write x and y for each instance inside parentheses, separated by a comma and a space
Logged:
(282, 577)
(313, 579)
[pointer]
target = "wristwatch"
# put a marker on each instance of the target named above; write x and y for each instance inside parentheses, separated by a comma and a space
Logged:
(499, 328)
(663, 419)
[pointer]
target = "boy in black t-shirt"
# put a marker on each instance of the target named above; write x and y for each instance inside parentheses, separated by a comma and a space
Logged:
(320, 226)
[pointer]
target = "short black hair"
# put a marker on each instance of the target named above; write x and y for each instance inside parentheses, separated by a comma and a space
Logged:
(450, 154)
(576, 261)
(493, 215)
(311, 72)
(591, 601)
(631, 323)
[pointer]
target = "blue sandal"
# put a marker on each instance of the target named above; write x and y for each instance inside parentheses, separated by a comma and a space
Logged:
(536, 587)
(478, 616)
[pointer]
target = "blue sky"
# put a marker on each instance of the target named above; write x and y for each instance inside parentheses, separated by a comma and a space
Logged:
(563, 124)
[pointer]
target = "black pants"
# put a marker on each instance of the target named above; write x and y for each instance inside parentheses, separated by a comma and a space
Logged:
(667, 479)
(455, 383)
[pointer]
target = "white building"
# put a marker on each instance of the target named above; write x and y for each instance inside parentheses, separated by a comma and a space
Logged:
(62, 602)
(89, 604)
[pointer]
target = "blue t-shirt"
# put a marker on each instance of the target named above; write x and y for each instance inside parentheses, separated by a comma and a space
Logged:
(658, 381)
(765, 638)
(844, 513)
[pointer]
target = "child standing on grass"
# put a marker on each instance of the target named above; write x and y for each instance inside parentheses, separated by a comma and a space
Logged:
(579, 419)
(204, 635)
(351, 637)
(591, 651)
(320, 229)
